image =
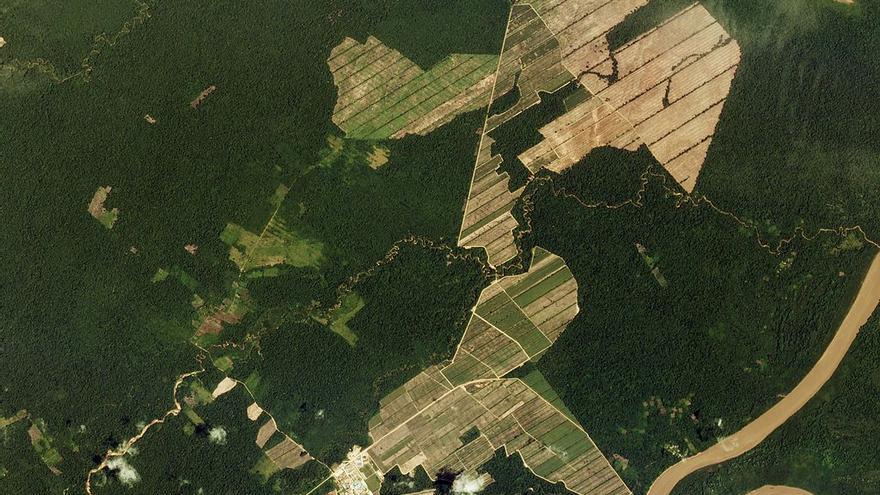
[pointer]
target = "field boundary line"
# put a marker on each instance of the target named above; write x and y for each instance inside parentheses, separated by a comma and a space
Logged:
(485, 124)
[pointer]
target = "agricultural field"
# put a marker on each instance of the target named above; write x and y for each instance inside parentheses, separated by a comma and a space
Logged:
(408, 247)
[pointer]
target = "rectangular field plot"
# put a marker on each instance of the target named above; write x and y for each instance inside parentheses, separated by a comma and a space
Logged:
(515, 320)
(382, 94)
(531, 60)
(666, 88)
(498, 309)
(505, 413)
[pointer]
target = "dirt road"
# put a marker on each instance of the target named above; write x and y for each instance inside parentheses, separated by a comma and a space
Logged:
(756, 431)
(778, 490)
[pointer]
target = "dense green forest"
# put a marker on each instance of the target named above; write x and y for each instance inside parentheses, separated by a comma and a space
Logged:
(828, 447)
(426, 31)
(796, 145)
(97, 345)
(324, 390)
(512, 477)
(522, 132)
(687, 326)
(210, 448)
(358, 212)
(397, 483)
(94, 345)
(29, 29)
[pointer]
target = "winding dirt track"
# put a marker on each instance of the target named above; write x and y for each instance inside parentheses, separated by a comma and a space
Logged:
(756, 431)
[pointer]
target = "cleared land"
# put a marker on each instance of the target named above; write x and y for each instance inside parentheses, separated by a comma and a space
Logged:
(456, 417)
(778, 490)
(210, 319)
(382, 94)
(276, 245)
(197, 102)
(531, 58)
(665, 89)
(508, 414)
(756, 431)
(99, 211)
(515, 320)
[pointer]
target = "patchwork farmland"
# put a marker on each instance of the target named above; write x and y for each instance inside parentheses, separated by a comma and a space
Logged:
(455, 417)
(665, 89)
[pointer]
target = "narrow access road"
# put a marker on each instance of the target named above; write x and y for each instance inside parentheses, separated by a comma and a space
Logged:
(755, 432)
(778, 490)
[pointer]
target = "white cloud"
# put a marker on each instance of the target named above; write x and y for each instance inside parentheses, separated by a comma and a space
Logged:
(217, 435)
(125, 473)
(467, 484)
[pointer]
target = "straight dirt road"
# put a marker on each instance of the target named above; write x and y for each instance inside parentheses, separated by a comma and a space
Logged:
(755, 432)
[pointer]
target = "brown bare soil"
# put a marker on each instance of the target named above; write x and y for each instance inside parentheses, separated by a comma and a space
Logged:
(254, 411)
(382, 94)
(487, 219)
(476, 94)
(666, 88)
(488, 222)
(422, 423)
(266, 431)
(288, 454)
(508, 414)
(378, 157)
(778, 490)
(224, 386)
(201, 98)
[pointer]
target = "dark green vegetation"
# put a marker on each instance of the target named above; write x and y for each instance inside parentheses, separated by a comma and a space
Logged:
(614, 177)
(397, 483)
(643, 20)
(325, 390)
(505, 102)
(513, 478)
(522, 132)
(209, 448)
(21, 468)
(91, 345)
(359, 212)
(796, 145)
(830, 446)
(427, 31)
(33, 32)
(650, 369)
